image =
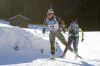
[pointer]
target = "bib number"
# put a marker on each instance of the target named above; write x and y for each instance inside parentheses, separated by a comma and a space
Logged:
(53, 27)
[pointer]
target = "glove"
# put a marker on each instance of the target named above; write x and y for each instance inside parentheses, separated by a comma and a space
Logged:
(43, 30)
(82, 39)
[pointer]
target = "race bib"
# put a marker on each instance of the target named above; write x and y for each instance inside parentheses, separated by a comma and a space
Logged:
(53, 27)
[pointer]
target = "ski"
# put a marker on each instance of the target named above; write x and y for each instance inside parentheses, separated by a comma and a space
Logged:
(78, 56)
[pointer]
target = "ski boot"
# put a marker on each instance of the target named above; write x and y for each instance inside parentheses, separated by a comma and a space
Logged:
(52, 57)
(62, 56)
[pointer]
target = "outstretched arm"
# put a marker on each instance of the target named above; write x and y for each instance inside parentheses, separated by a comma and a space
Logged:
(44, 25)
(80, 30)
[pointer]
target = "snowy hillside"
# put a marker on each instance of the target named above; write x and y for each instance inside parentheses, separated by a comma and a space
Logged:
(34, 48)
(4, 21)
(28, 44)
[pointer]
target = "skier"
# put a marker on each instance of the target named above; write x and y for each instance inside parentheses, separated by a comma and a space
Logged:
(55, 25)
(73, 38)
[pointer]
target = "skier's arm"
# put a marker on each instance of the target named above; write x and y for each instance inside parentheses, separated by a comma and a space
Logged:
(44, 26)
(80, 30)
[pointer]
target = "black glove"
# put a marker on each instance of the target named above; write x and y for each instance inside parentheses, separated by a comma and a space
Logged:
(82, 39)
(43, 30)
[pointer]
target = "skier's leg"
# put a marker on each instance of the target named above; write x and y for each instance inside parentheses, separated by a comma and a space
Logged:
(75, 45)
(52, 42)
(69, 45)
(70, 41)
(62, 39)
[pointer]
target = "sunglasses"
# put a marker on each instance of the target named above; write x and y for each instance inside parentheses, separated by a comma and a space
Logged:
(50, 14)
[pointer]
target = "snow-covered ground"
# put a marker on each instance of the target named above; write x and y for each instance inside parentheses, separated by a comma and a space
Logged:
(34, 48)
(4, 21)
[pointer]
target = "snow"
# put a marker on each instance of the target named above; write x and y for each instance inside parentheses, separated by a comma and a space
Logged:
(4, 21)
(34, 48)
